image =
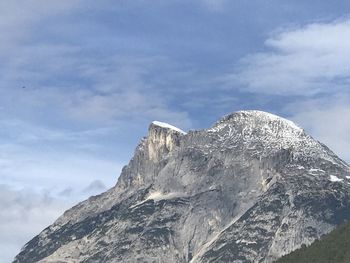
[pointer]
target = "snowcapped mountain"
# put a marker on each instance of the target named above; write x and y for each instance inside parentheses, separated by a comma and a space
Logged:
(251, 188)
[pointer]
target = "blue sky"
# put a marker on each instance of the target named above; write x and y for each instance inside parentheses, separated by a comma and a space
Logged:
(96, 73)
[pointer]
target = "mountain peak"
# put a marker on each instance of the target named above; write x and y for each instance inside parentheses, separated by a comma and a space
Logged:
(251, 188)
(258, 125)
(258, 117)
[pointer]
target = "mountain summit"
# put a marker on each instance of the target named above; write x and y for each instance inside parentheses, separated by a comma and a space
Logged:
(251, 188)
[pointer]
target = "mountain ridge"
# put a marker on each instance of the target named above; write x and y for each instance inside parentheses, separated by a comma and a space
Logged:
(250, 188)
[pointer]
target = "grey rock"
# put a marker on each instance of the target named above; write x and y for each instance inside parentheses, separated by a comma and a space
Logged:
(251, 188)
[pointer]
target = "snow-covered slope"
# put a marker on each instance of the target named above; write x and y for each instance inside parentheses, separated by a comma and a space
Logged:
(250, 188)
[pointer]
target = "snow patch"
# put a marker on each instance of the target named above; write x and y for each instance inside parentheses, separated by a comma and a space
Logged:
(334, 178)
(272, 117)
(168, 126)
(244, 241)
(156, 196)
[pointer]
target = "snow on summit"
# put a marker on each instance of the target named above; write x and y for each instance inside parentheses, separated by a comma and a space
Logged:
(265, 123)
(253, 115)
(167, 126)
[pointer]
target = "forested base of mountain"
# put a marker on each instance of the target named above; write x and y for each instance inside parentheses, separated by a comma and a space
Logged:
(331, 248)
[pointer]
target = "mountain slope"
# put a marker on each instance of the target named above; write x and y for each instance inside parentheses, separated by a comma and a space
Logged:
(333, 247)
(251, 188)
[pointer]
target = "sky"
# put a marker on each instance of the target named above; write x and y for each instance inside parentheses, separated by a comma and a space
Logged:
(80, 81)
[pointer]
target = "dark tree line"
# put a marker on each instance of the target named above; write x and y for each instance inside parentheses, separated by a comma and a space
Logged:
(331, 248)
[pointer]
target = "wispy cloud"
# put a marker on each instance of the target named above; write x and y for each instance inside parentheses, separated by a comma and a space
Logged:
(87, 89)
(24, 213)
(68, 78)
(17, 18)
(304, 60)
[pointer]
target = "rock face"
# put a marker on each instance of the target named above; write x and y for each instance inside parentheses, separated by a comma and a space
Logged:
(251, 188)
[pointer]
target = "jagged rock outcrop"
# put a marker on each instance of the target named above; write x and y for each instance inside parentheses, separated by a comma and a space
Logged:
(251, 188)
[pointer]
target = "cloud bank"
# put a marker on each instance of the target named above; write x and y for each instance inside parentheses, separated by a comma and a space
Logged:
(303, 61)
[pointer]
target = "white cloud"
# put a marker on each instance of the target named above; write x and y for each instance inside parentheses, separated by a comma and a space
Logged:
(307, 60)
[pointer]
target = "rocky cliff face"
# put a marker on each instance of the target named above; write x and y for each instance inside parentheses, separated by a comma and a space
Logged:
(250, 188)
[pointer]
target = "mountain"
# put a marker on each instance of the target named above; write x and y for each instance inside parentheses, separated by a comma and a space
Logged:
(251, 188)
(333, 247)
